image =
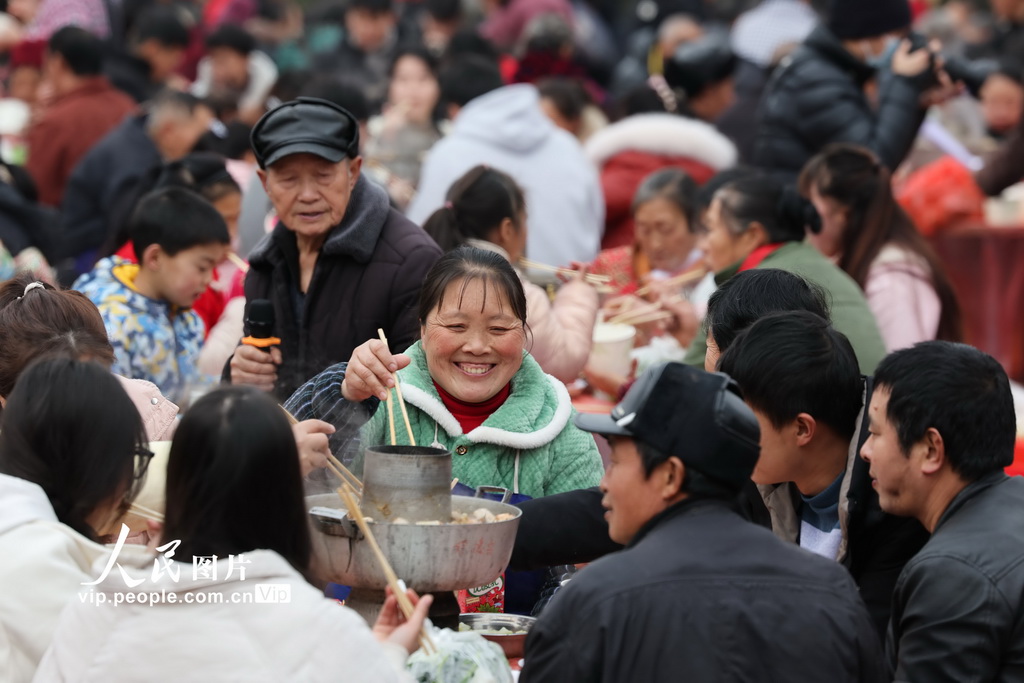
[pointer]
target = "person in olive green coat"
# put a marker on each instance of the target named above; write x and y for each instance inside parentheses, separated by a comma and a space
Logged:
(757, 222)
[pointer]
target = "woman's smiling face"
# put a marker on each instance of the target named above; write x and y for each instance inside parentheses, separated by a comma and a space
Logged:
(473, 341)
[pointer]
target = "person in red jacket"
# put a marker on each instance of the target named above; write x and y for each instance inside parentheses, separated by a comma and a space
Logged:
(85, 109)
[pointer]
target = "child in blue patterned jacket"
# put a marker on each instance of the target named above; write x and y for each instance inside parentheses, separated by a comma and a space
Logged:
(179, 238)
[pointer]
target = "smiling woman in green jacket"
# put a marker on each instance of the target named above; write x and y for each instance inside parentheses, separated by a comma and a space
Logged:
(472, 387)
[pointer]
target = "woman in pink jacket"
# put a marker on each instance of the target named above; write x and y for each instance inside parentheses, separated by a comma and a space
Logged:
(870, 237)
(486, 209)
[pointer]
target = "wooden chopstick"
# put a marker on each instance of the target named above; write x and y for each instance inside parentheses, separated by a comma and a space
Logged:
(648, 318)
(345, 474)
(454, 482)
(346, 494)
(677, 281)
(291, 418)
(238, 261)
(401, 400)
(146, 513)
(634, 312)
(589, 277)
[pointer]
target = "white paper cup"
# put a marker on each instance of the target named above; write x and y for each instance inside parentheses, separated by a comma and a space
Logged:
(610, 354)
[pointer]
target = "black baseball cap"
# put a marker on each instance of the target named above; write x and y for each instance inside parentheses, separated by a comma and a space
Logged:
(694, 415)
(309, 125)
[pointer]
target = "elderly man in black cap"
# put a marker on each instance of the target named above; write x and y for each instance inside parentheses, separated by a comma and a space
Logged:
(340, 264)
(698, 594)
(817, 96)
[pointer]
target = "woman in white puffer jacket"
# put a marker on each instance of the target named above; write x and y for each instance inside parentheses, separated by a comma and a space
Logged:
(234, 491)
(487, 210)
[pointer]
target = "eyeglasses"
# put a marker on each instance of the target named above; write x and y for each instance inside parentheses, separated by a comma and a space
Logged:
(142, 457)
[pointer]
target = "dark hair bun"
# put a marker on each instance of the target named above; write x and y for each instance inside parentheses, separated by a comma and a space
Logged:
(796, 211)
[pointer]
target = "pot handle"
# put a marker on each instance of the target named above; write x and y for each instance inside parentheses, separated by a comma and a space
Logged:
(482, 491)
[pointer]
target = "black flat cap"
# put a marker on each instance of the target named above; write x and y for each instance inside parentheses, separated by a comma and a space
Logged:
(696, 416)
(309, 125)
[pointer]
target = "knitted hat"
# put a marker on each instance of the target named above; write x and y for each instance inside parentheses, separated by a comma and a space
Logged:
(855, 19)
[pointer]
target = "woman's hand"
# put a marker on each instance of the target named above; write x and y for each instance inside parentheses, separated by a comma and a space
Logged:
(370, 371)
(392, 627)
(255, 367)
(311, 437)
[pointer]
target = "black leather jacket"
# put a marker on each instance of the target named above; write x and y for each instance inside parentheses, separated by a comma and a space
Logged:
(817, 97)
(958, 607)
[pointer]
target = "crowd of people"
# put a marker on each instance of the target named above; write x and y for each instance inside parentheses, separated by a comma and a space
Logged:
(216, 216)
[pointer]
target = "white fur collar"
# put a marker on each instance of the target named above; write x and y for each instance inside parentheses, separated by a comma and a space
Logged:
(663, 134)
(432, 406)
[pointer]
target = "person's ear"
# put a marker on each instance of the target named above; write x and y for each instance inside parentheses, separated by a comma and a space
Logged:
(757, 234)
(353, 172)
(453, 111)
(671, 474)
(152, 256)
(805, 428)
(262, 174)
(3, 401)
(934, 451)
(507, 232)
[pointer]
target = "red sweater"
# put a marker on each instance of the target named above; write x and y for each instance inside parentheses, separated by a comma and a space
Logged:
(472, 415)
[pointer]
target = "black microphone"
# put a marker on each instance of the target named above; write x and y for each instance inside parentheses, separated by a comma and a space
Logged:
(260, 323)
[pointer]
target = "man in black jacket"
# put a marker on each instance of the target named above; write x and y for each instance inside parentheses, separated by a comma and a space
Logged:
(800, 377)
(817, 96)
(341, 262)
(942, 430)
(699, 593)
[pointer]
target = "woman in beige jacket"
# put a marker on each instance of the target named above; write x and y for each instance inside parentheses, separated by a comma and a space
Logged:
(486, 209)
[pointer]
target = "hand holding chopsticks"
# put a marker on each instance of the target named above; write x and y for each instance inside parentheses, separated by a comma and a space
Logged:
(590, 278)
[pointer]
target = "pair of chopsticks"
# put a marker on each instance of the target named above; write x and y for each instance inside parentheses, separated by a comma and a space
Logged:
(335, 465)
(146, 513)
(401, 403)
(589, 277)
(347, 496)
(677, 281)
(640, 314)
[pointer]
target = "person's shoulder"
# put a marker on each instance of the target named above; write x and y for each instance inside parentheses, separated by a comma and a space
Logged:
(403, 240)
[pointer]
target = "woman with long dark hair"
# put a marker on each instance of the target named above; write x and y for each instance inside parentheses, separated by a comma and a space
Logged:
(72, 458)
(236, 524)
(870, 237)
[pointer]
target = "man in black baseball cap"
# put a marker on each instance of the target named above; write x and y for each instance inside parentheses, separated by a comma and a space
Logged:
(698, 593)
(369, 261)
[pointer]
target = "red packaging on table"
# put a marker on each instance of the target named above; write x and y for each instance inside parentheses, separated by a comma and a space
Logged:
(487, 598)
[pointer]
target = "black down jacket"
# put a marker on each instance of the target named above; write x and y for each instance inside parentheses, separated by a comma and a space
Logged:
(817, 97)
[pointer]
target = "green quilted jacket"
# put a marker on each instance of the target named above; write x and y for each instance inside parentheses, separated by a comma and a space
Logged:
(529, 445)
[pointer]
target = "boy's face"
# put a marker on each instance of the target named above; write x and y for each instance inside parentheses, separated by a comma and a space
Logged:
(182, 278)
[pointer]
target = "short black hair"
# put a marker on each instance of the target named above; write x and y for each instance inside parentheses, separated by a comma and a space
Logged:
(176, 219)
(70, 428)
(469, 78)
(443, 10)
(961, 392)
(567, 94)
(82, 51)
(375, 6)
(751, 295)
(164, 24)
(233, 37)
(796, 362)
(345, 95)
